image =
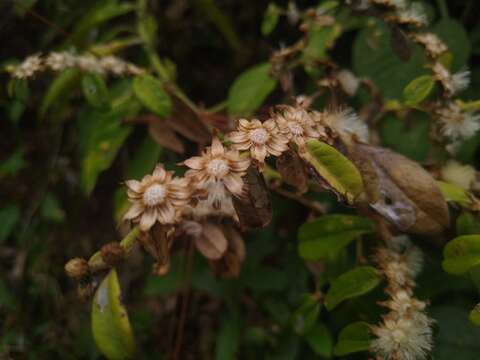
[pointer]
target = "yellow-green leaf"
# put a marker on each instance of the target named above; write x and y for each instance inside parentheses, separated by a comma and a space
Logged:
(461, 254)
(418, 89)
(354, 337)
(110, 325)
(334, 170)
(353, 283)
(455, 193)
(270, 19)
(475, 315)
(149, 90)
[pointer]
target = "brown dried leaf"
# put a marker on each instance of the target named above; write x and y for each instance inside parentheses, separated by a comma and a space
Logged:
(212, 243)
(292, 169)
(254, 210)
(401, 190)
(400, 43)
(161, 132)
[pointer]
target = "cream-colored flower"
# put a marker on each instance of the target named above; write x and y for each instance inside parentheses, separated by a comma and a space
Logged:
(59, 61)
(262, 139)
(218, 165)
(452, 84)
(28, 67)
(457, 124)
(158, 197)
(395, 4)
(413, 15)
(343, 121)
(431, 42)
(296, 124)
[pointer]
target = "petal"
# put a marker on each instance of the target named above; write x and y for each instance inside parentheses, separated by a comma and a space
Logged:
(134, 211)
(148, 219)
(166, 214)
(237, 137)
(256, 123)
(233, 183)
(195, 162)
(132, 195)
(217, 147)
(244, 124)
(259, 152)
(134, 185)
(270, 125)
(159, 173)
(240, 166)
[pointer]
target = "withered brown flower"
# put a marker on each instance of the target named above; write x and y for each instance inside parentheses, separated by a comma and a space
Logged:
(296, 124)
(262, 139)
(158, 197)
(218, 165)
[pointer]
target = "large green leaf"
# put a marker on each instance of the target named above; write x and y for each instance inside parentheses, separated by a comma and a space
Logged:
(354, 337)
(59, 90)
(353, 283)
(110, 325)
(461, 254)
(250, 90)
(456, 38)
(328, 234)
(334, 169)
(151, 93)
(373, 58)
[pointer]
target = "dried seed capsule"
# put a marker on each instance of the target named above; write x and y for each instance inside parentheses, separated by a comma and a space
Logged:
(77, 268)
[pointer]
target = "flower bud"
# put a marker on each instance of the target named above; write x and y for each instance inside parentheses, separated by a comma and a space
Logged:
(77, 268)
(112, 253)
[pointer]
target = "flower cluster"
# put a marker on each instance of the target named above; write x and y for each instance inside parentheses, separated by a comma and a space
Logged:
(455, 123)
(405, 332)
(59, 61)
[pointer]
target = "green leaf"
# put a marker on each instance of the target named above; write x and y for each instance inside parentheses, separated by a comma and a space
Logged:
(306, 315)
(228, 338)
(14, 163)
(270, 19)
(461, 254)
(110, 325)
(353, 283)
(95, 90)
(51, 208)
(418, 90)
(19, 92)
(7, 298)
(320, 340)
(467, 224)
(335, 169)
(354, 337)
(9, 217)
(474, 315)
(456, 337)
(59, 90)
(455, 193)
(250, 89)
(456, 38)
(373, 58)
(320, 39)
(149, 90)
(328, 234)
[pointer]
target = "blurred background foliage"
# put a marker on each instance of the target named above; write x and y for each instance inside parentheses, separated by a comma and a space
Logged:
(69, 140)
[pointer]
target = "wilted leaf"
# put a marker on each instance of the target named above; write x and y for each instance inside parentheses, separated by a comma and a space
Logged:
(250, 89)
(292, 169)
(270, 19)
(334, 170)
(95, 90)
(354, 337)
(320, 340)
(110, 325)
(9, 217)
(153, 96)
(400, 43)
(401, 190)
(418, 89)
(353, 283)
(329, 233)
(254, 210)
(461, 254)
(161, 132)
(212, 243)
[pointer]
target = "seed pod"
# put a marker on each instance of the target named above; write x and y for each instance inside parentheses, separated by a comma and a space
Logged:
(112, 253)
(77, 268)
(401, 190)
(254, 210)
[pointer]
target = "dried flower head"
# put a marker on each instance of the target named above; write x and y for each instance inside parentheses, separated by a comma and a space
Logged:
(218, 202)
(431, 42)
(59, 61)
(158, 197)
(457, 124)
(262, 139)
(412, 15)
(296, 124)
(218, 165)
(344, 122)
(405, 338)
(452, 84)
(394, 4)
(28, 67)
